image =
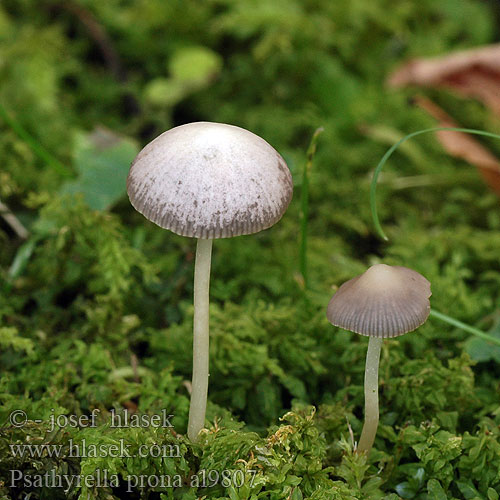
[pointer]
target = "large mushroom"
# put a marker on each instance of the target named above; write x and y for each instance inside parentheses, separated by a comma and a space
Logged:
(208, 180)
(385, 301)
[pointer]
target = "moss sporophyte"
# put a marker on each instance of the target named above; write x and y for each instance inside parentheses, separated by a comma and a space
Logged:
(208, 180)
(383, 302)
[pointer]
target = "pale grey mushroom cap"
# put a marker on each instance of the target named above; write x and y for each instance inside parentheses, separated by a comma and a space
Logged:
(210, 180)
(384, 301)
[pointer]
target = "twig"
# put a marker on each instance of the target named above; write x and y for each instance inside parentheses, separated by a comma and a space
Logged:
(99, 35)
(13, 221)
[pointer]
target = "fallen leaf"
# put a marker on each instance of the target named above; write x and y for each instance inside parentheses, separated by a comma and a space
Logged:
(481, 350)
(462, 145)
(102, 159)
(470, 73)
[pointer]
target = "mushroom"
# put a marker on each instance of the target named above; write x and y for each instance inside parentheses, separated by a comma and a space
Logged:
(208, 180)
(385, 301)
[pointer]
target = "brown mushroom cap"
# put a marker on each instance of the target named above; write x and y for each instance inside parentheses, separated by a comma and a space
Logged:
(384, 301)
(210, 180)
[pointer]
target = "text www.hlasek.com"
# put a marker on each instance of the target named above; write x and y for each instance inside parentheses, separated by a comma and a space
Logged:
(92, 450)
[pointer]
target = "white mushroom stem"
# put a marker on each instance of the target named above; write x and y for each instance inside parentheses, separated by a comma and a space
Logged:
(199, 391)
(371, 396)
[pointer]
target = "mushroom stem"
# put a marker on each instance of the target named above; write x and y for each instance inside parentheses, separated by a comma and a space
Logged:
(371, 396)
(199, 391)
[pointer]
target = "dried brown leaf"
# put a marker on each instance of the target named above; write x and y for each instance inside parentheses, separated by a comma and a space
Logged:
(463, 145)
(470, 73)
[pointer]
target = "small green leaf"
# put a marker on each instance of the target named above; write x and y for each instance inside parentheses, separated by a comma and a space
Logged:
(405, 490)
(435, 490)
(468, 490)
(492, 494)
(22, 257)
(480, 350)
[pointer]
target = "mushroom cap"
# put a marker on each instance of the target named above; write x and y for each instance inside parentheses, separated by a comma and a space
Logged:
(210, 180)
(384, 301)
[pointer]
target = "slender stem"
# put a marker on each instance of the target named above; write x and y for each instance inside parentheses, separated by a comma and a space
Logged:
(371, 396)
(464, 326)
(199, 389)
(304, 206)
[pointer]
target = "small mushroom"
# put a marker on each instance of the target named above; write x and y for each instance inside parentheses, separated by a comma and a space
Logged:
(208, 180)
(384, 301)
